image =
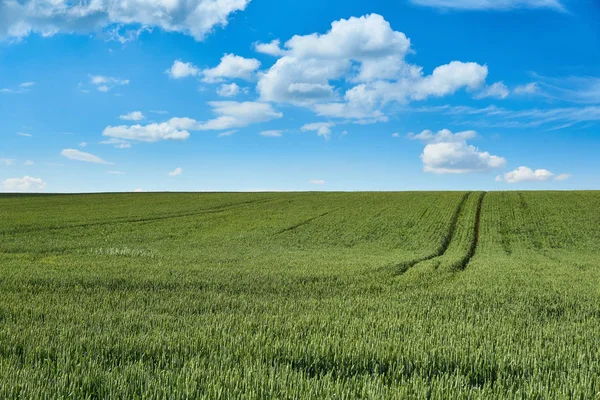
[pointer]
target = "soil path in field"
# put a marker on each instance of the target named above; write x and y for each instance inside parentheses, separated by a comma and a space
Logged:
(475, 241)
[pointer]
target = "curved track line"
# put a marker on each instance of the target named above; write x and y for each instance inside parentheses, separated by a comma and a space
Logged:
(306, 221)
(405, 266)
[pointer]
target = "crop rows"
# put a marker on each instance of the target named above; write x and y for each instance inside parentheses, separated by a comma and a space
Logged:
(297, 295)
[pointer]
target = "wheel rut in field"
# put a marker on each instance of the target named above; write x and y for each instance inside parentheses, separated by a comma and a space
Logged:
(441, 251)
(209, 210)
(405, 266)
(306, 221)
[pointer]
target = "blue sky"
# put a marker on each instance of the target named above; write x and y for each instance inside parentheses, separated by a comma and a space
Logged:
(269, 95)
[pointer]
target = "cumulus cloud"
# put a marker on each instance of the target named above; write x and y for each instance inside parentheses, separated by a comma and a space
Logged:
(498, 90)
(317, 181)
(24, 184)
(177, 171)
(230, 114)
(322, 128)
(525, 174)
(369, 56)
(181, 69)
(82, 156)
(132, 116)
(7, 162)
(272, 48)
(232, 66)
(121, 19)
(230, 90)
(500, 5)
(449, 153)
(106, 83)
(271, 133)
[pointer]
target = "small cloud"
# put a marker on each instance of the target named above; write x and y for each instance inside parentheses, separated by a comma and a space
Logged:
(159, 112)
(81, 156)
(344, 133)
(26, 84)
(228, 133)
(28, 162)
(530, 88)
(7, 161)
(181, 69)
(117, 143)
(562, 177)
(105, 83)
(525, 174)
(115, 172)
(83, 144)
(271, 133)
(230, 90)
(138, 190)
(498, 90)
(395, 134)
(177, 171)
(272, 48)
(24, 134)
(322, 128)
(24, 184)
(317, 181)
(132, 116)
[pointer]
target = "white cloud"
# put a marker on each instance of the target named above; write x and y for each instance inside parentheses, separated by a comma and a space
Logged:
(369, 56)
(159, 112)
(230, 90)
(525, 174)
(24, 184)
(115, 172)
(120, 19)
(7, 161)
(322, 128)
(181, 69)
(490, 4)
(83, 144)
(82, 156)
(28, 162)
(234, 114)
(117, 143)
(562, 177)
(497, 90)
(530, 88)
(230, 114)
(227, 133)
(272, 48)
(444, 135)
(448, 153)
(24, 134)
(271, 133)
(173, 129)
(177, 171)
(132, 116)
(574, 89)
(317, 181)
(26, 84)
(105, 83)
(138, 190)
(396, 134)
(232, 66)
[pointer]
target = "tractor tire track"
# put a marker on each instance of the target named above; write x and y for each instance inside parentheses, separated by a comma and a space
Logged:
(210, 210)
(405, 266)
(475, 242)
(306, 221)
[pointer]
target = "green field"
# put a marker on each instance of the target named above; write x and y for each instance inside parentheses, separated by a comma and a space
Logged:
(300, 295)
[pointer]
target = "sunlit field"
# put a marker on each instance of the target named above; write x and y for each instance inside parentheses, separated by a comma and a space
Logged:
(300, 295)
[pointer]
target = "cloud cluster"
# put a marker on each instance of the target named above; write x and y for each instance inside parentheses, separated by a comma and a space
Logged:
(322, 128)
(449, 153)
(132, 116)
(105, 83)
(196, 18)
(229, 114)
(24, 184)
(525, 174)
(365, 54)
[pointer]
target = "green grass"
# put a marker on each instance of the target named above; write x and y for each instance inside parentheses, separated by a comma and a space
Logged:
(300, 295)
